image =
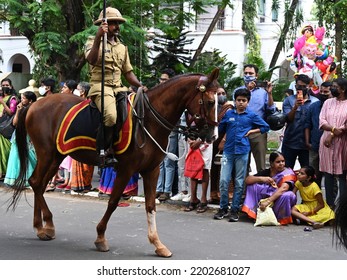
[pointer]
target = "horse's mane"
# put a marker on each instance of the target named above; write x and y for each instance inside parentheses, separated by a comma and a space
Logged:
(175, 78)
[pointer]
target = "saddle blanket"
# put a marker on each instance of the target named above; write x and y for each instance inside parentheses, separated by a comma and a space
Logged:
(79, 127)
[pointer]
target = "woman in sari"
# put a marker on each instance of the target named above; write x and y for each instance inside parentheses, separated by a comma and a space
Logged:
(107, 179)
(13, 165)
(272, 185)
(8, 107)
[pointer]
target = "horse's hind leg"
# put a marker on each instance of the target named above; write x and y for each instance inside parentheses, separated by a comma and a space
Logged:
(149, 189)
(39, 179)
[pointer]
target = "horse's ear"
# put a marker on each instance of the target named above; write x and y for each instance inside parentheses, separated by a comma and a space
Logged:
(214, 74)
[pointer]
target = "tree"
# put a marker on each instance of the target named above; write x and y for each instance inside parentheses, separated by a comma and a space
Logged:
(218, 14)
(333, 15)
(58, 29)
(289, 23)
(207, 61)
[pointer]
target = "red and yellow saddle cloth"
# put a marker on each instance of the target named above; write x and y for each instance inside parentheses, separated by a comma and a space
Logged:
(79, 127)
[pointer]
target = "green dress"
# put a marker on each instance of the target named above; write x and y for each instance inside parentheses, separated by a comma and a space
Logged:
(309, 203)
(14, 164)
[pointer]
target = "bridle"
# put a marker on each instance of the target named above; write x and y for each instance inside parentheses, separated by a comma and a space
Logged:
(203, 114)
(190, 130)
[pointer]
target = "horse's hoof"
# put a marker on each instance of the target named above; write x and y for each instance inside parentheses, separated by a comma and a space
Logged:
(44, 236)
(102, 246)
(163, 252)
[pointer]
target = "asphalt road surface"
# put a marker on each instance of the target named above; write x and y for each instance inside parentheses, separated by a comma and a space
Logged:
(190, 236)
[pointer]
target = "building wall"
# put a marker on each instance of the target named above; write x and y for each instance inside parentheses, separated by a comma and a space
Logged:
(15, 53)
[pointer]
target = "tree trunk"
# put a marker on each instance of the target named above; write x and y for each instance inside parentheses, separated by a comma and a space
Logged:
(338, 42)
(206, 36)
(280, 43)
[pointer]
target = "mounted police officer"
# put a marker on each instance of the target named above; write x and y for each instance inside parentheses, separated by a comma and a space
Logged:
(116, 62)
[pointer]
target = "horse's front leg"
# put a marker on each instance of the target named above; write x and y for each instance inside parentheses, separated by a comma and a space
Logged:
(149, 189)
(101, 243)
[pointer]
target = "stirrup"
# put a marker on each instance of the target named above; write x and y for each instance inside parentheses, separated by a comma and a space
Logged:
(107, 160)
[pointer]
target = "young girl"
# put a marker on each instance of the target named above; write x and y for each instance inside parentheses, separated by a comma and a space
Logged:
(314, 209)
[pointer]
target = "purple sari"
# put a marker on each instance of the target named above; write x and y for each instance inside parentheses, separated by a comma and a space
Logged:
(282, 206)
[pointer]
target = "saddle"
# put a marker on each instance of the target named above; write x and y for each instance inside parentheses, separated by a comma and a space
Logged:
(79, 127)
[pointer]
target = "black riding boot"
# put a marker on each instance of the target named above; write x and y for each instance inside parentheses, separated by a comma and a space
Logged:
(107, 159)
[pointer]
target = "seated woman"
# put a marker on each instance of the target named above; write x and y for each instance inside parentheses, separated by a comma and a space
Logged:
(274, 185)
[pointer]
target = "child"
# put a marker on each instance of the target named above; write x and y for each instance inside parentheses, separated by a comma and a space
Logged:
(206, 153)
(238, 124)
(314, 209)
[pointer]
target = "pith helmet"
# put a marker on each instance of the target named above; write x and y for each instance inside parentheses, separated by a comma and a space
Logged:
(112, 14)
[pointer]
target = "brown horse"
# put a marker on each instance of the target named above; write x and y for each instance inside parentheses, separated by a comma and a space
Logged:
(165, 104)
(340, 226)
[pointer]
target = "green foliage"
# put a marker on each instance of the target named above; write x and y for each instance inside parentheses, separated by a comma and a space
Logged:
(210, 60)
(329, 12)
(249, 14)
(278, 89)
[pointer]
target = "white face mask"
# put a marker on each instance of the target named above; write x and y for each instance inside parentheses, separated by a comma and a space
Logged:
(77, 92)
(42, 90)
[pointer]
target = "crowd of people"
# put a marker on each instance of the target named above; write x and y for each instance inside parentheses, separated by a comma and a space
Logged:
(314, 135)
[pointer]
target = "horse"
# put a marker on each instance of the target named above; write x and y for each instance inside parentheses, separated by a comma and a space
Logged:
(166, 102)
(340, 226)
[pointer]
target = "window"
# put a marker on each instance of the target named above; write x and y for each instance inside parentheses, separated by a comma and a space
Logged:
(274, 15)
(261, 8)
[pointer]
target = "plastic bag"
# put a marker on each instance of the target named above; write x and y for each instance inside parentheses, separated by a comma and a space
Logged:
(266, 217)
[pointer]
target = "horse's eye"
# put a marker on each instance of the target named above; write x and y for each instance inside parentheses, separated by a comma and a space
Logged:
(211, 103)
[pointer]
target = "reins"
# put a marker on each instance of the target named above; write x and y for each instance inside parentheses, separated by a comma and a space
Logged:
(187, 131)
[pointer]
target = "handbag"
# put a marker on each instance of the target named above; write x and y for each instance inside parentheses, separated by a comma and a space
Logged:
(266, 217)
(6, 126)
(194, 164)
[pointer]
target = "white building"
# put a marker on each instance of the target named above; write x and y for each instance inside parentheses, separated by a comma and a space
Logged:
(228, 37)
(15, 59)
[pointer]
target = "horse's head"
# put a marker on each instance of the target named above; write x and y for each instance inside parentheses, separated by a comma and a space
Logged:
(202, 108)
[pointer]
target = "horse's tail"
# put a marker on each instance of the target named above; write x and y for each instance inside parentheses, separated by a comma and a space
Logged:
(340, 228)
(23, 151)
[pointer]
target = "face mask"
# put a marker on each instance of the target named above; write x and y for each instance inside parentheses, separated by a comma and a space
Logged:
(42, 90)
(323, 97)
(77, 92)
(247, 79)
(6, 90)
(222, 99)
(334, 92)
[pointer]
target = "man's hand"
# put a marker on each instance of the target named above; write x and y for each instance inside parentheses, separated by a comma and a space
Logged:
(103, 28)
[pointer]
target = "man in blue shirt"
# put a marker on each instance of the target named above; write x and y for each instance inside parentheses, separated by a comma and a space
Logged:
(312, 131)
(295, 107)
(260, 103)
(238, 124)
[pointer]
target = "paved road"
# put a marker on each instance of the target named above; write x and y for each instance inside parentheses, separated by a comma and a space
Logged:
(189, 236)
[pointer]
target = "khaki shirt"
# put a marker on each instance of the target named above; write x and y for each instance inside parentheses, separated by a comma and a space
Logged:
(117, 61)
